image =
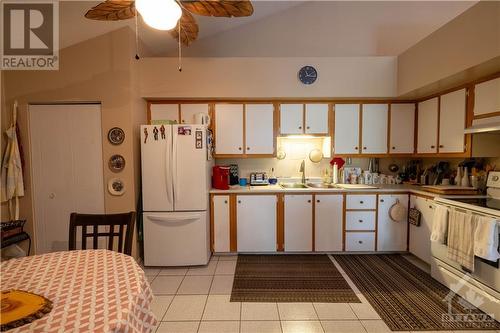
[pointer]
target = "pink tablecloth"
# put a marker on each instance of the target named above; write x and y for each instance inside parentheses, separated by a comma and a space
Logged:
(92, 291)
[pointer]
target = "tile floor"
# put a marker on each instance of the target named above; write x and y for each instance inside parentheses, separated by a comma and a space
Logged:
(196, 300)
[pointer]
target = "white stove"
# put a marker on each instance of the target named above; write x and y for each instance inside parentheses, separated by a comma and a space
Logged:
(484, 282)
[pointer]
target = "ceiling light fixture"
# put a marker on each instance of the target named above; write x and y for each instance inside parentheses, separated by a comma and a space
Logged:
(159, 14)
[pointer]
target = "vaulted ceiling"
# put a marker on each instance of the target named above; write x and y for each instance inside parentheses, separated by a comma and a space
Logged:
(288, 28)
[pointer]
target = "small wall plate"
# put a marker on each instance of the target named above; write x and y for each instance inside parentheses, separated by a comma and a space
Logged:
(116, 163)
(116, 136)
(116, 186)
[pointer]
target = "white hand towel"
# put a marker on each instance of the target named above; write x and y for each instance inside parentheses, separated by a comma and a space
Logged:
(461, 228)
(486, 238)
(440, 224)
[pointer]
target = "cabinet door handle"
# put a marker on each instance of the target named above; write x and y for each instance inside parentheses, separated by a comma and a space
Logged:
(430, 207)
(318, 200)
(239, 201)
(381, 200)
(239, 148)
(360, 242)
(248, 148)
(360, 221)
(433, 147)
(225, 201)
(308, 127)
(308, 200)
(361, 202)
(364, 148)
(355, 148)
(441, 146)
(393, 147)
(300, 127)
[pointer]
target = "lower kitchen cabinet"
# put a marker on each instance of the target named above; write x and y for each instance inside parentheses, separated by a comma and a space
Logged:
(256, 223)
(391, 235)
(420, 244)
(328, 222)
(360, 241)
(221, 218)
(298, 222)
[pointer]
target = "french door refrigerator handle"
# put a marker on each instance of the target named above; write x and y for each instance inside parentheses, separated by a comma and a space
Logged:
(168, 171)
(174, 162)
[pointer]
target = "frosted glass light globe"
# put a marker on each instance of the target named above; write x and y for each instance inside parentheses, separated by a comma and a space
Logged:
(159, 14)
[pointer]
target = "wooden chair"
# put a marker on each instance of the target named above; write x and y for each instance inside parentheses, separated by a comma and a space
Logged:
(122, 221)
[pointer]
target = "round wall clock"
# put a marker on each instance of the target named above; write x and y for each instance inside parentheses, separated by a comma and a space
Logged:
(308, 74)
(116, 135)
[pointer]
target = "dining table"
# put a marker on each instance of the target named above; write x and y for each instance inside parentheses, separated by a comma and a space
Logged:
(90, 290)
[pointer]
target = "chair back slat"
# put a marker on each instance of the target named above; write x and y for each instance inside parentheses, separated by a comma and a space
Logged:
(111, 236)
(124, 221)
(84, 237)
(120, 238)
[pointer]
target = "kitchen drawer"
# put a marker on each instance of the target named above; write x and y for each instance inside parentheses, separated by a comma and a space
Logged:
(360, 241)
(360, 220)
(361, 201)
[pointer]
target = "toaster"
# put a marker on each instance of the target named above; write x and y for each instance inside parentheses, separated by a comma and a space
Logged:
(258, 178)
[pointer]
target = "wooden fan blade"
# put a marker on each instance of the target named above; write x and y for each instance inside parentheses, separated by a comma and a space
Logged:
(219, 8)
(189, 28)
(112, 10)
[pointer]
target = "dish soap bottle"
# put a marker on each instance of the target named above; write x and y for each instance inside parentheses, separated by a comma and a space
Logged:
(272, 178)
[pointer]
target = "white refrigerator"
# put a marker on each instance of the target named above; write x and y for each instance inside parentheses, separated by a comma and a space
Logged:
(175, 184)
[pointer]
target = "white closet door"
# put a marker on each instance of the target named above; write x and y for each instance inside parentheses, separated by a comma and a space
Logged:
(452, 122)
(67, 169)
(402, 128)
(164, 112)
(346, 135)
(374, 131)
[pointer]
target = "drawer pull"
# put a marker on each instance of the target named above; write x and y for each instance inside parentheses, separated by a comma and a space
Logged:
(360, 221)
(360, 242)
(361, 202)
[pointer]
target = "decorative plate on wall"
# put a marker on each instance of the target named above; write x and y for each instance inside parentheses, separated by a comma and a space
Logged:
(116, 163)
(116, 186)
(116, 136)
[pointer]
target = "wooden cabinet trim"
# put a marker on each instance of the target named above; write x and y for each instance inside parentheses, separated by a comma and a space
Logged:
(233, 239)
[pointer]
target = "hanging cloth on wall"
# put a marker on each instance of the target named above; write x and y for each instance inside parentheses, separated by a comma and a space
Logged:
(12, 184)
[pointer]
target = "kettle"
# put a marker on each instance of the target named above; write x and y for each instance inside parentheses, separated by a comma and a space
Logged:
(202, 118)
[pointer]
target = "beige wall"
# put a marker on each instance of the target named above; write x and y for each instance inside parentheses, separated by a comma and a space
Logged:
(95, 70)
(469, 40)
(267, 77)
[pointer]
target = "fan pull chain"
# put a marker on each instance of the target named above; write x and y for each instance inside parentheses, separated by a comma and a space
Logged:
(180, 47)
(136, 36)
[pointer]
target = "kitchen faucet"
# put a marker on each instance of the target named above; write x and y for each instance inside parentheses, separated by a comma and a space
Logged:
(303, 170)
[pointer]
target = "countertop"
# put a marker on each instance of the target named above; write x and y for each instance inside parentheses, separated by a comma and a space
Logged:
(413, 189)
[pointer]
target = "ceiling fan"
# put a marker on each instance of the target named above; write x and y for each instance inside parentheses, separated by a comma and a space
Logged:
(173, 15)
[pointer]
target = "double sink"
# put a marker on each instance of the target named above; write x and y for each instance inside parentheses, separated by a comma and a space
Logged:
(323, 185)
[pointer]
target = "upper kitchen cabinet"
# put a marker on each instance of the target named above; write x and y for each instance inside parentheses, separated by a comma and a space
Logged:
(316, 118)
(452, 122)
(427, 134)
(189, 111)
(229, 129)
(346, 132)
(259, 129)
(244, 130)
(374, 128)
(402, 128)
(291, 118)
(487, 99)
(160, 111)
(304, 119)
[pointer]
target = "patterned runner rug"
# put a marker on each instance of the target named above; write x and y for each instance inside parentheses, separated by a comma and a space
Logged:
(289, 278)
(407, 298)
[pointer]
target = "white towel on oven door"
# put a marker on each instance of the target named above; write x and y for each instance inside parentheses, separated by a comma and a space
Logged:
(461, 227)
(486, 238)
(440, 224)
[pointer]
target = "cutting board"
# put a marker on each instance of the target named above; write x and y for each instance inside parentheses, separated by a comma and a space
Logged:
(450, 189)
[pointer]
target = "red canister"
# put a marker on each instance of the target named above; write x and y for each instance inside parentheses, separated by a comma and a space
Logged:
(220, 177)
